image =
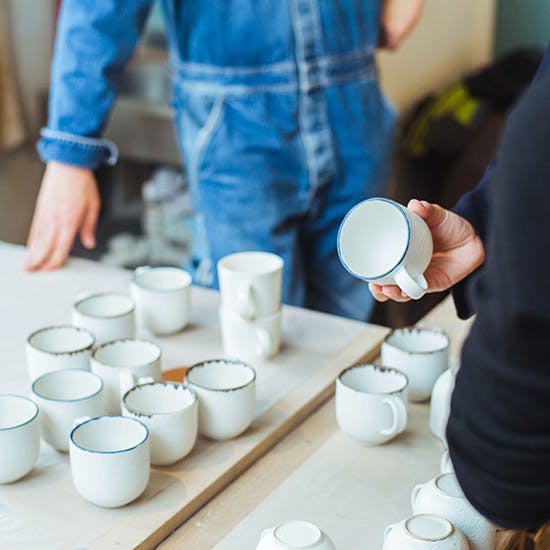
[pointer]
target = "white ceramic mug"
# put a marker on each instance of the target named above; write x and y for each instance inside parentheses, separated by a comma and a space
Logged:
(424, 532)
(19, 436)
(63, 396)
(250, 284)
(112, 359)
(371, 403)
(295, 534)
(440, 404)
(250, 340)
(109, 459)
(445, 465)
(58, 347)
(421, 353)
(444, 497)
(383, 242)
(163, 298)
(171, 413)
(107, 315)
(227, 397)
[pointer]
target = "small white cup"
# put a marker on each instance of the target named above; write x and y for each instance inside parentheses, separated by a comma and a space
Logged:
(63, 396)
(107, 315)
(371, 403)
(383, 242)
(59, 347)
(440, 404)
(444, 497)
(227, 397)
(424, 532)
(112, 359)
(445, 465)
(250, 284)
(19, 436)
(295, 534)
(163, 298)
(421, 353)
(109, 459)
(250, 340)
(171, 413)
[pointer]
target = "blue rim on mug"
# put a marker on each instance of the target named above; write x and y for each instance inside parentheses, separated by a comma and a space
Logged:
(56, 373)
(37, 409)
(342, 261)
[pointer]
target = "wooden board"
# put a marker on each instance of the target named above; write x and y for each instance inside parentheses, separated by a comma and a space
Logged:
(43, 510)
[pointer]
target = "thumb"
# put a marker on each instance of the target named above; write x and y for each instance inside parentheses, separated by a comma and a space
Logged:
(87, 232)
(432, 214)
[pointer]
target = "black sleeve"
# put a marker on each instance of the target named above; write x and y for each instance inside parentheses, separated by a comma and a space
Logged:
(499, 427)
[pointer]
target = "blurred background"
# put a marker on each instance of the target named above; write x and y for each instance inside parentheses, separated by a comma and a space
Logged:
(452, 82)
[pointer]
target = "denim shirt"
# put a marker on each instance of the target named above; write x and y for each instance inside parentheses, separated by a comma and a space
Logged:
(226, 45)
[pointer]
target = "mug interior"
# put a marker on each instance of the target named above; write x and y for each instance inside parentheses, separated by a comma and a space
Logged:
(373, 379)
(159, 398)
(221, 375)
(449, 485)
(373, 238)
(109, 434)
(297, 534)
(428, 527)
(15, 411)
(67, 385)
(105, 305)
(61, 339)
(162, 278)
(418, 340)
(252, 263)
(127, 353)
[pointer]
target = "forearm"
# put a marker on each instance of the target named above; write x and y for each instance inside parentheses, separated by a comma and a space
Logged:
(398, 18)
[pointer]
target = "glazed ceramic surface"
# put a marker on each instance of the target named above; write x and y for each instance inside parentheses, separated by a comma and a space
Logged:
(19, 436)
(163, 298)
(446, 466)
(382, 242)
(422, 354)
(440, 404)
(107, 315)
(295, 535)
(57, 348)
(110, 460)
(371, 403)
(227, 397)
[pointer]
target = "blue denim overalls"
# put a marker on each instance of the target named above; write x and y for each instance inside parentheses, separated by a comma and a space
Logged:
(278, 113)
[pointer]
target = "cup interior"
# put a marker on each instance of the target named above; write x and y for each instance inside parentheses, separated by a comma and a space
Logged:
(15, 411)
(67, 385)
(373, 238)
(221, 375)
(109, 304)
(162, 279)
(449, 485)
(61, 339)
(159, 398)
(418, 340)
(429, 527)
(252, 263)
(127, 353)
(109, 434)
(297, 534)
(373, 379)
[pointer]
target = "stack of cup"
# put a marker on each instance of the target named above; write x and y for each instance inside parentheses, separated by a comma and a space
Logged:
(250, 312)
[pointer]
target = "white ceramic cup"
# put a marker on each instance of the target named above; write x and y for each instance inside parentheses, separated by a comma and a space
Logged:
(250, 340)
(58, 347)
(227, 397)
(371, 403)
(107, 315)
(19, 436)
(424, 532)
(445, 465)
(421, 353)
(296, 535)
(63, 396)
(382, 242)
(109, 459)
(112, 359)
(250, 284)
(444, 497)
(163, 298)
(171, 413)
(440, 404)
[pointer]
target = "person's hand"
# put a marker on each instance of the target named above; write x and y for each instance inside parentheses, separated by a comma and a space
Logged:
(68, 203)
(458, 251)
(398, 18)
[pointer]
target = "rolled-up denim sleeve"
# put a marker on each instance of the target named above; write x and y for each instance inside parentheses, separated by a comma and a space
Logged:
(94, 40)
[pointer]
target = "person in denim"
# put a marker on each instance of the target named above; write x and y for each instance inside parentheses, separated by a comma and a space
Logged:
(278, 113)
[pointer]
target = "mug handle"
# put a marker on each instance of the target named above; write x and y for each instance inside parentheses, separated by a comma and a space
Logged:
(80, 420)
(265, 343)
(414, 495)
(413, 288)
(387, 530)
(245, 301)
(399, 413)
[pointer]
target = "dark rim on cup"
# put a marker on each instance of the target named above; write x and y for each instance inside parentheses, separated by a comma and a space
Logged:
(118, 340)
(55, 327)
(379, 368)
(227, 361)
(417, 330)
(55, 372)
(177, 385)
(97, 294)
(136, 273)
(36, 411)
